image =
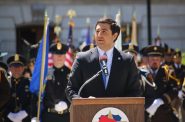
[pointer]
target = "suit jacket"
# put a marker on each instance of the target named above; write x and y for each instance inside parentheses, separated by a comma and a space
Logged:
(123, 80)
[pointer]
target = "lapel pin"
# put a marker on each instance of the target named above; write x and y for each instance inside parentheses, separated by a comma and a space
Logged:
(119, 58)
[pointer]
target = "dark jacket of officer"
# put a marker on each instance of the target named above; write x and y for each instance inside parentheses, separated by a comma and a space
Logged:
(55, 89)
(166, 89)
(20, 95)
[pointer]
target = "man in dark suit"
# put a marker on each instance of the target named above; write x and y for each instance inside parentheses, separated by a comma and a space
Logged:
(122, 79)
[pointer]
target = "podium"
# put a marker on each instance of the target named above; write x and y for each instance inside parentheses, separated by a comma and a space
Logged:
(85, 109)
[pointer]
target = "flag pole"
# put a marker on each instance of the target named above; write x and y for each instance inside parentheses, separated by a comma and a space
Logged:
(43, 65)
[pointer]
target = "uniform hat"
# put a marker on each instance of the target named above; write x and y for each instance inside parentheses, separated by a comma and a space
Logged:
(4, 66)
(168, 51)
(58, 48)
(143, 51)
(16, 60)
(130, 48)
(177, 54)
(88, 47)
(154, 51)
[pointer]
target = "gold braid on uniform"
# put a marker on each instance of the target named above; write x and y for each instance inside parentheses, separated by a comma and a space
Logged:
(168, 74)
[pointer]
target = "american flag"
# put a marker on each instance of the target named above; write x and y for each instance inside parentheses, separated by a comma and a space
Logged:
(69, 55)
(50, 60)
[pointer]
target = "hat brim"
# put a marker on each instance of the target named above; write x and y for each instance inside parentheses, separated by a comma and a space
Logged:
(155, 54)
(16, 63)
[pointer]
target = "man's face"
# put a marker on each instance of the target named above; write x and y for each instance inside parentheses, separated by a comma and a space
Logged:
(58, 60)
(177, 60)
(154, 62)
(104, 37)
(16, 71)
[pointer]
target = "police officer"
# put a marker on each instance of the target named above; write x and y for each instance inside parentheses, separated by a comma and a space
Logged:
(180, 74)
(4, 89)
(178, 66)
(145, 77)
(56, 105)
(160, 108)
(168, 55)
(18, 108)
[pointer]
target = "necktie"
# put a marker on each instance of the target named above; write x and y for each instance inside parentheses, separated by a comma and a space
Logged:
(104, 76)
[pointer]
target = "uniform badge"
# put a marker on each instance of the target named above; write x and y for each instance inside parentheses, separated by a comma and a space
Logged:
(59, 46)
(16, 58)
(131, 46)
(155, 48)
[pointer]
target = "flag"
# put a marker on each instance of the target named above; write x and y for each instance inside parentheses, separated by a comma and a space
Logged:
(134, 30)
(118, 43)
(50, 60)
(87, 35)
(69, 55)
(157, 40)
(35, 82)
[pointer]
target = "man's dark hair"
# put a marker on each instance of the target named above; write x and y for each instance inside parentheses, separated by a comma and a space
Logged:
(113, 25)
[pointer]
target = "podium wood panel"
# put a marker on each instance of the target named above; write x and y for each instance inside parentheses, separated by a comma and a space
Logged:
(84, 109)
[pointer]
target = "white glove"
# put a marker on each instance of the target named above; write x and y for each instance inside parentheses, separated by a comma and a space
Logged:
(13, 117)
(181, 94)
(21, 115)
(34, 119)
(17, 117)
(155, 105)
(61, 106)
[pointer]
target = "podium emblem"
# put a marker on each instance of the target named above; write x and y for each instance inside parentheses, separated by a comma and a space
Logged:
(110, 114)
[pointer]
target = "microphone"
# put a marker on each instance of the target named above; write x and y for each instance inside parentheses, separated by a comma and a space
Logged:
(103, 61)
(104, 69)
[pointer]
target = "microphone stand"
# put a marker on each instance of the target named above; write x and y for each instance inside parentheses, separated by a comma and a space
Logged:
(89, 80)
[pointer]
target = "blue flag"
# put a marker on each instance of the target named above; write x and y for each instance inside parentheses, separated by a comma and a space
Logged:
(35, 82)
(88, 36)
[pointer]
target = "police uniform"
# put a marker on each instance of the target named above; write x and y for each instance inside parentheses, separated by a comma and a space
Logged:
(145, 78)
(20, 95)
(180, 74)
(4, 89)
(168, 55)
(55, 89)
(179, 68)
(166, 90)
